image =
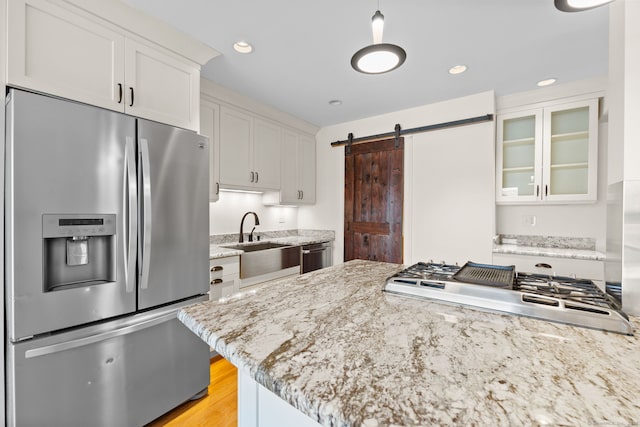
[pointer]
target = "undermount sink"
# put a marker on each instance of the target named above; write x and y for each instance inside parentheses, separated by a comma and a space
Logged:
(266, 257)
(252, 247)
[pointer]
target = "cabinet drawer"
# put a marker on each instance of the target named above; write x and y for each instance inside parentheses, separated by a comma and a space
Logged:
(581, 268)
(220, 267)
(223, 288)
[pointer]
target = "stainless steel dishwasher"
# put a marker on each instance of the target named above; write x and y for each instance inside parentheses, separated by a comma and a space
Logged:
(316, 256)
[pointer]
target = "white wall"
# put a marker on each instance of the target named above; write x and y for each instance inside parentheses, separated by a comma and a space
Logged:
(225, 214)
(328, 212)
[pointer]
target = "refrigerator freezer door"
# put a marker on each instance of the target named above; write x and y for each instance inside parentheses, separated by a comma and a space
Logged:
(174, 214)
(122, 373)
(65, 161)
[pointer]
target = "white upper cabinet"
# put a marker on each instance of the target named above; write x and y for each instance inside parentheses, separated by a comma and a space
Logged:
(548, 154)
(54, 50)
(298, 175)
(61, 53)
(267, 138)
(210, 127)
(249, 151)
(161, 87)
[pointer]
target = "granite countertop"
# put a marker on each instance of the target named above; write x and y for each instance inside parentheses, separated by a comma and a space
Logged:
(217, 251)
(586, 254)
(337, 348)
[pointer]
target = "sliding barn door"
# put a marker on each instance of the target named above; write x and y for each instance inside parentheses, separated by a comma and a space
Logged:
(373, 197)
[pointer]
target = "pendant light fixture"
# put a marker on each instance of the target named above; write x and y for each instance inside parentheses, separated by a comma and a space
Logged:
(579, 5)
(378, 57)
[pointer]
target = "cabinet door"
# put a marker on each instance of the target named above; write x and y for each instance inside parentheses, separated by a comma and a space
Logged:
(307, 169)
(570, 152)
(161, 87)
(519, 157)
(55, 51)
(266, 154)
(236, 134)
(210, 127)
(289, 188)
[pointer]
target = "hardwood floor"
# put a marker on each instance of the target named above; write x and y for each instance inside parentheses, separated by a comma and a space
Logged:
(218, 409)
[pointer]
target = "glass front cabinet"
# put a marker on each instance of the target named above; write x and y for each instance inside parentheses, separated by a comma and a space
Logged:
(548, 154)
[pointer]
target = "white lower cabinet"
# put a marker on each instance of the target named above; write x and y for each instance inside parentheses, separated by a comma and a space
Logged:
(225, 277)
(259, 407)
(580, 268)
(69, 53)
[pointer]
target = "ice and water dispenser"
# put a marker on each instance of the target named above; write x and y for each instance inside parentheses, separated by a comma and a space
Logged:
(79, 250)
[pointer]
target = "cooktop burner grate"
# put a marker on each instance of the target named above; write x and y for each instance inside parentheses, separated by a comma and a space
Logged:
(487, 275)
(559, 299)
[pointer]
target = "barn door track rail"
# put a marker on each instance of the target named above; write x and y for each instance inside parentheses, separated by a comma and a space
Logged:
(398, 131)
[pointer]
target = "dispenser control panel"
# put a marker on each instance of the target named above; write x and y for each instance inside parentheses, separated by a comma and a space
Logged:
(54, 225)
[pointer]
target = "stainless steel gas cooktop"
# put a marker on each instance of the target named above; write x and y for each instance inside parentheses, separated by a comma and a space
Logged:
(559, 299)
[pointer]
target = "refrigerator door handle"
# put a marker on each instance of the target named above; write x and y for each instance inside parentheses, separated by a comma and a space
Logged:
(81, 342)
(146, 208)
(131, 197)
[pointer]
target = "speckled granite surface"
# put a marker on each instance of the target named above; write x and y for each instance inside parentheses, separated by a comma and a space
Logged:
(549, 246)
(336, 347)
(311, 235)
(293, 237)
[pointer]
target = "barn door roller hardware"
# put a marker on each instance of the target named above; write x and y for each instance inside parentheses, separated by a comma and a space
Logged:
(398, 132)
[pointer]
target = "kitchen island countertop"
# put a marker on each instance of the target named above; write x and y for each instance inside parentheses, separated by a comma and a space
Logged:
(337, 348)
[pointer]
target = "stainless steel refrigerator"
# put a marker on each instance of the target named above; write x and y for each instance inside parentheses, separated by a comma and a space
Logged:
(106, 220)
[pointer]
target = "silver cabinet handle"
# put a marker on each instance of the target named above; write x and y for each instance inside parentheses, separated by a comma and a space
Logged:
(251, 179)
(146, 206)
(216, 281)
(81, 342)
(256, 176)
(131, 205)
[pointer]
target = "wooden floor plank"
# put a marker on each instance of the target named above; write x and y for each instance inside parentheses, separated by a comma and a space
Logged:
(218, 409)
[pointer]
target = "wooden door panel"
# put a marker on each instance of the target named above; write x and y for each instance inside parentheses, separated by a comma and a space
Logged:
(373, 201)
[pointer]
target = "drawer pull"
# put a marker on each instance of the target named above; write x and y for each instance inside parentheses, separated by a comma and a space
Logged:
(216, 281)
(216, 268)
(543, 265)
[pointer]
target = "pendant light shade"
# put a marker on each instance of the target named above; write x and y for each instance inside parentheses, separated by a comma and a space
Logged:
(579, 5)
(379, 57)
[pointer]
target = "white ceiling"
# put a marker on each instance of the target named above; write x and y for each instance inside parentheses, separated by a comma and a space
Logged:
(303, 49)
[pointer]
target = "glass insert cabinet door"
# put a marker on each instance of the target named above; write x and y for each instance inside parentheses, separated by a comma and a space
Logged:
(548, 154)
(519, 156)
(570, 157)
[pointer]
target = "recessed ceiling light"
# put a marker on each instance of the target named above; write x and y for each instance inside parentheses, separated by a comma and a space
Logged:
(546, 82)
(578, 5)
(335, 102)
(457, 69)
(242, 47)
